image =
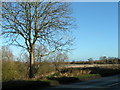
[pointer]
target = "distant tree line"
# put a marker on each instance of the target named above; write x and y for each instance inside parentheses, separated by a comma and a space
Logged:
(102, 60)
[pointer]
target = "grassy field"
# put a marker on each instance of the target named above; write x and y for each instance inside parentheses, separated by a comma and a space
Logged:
(92, 65)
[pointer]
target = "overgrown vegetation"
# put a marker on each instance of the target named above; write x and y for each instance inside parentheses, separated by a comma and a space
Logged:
(47, 73)
(48, 77)
(18, 68)
(13, 70)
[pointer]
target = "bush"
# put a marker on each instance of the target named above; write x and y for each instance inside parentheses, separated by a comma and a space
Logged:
(13, 70)
(44, 69)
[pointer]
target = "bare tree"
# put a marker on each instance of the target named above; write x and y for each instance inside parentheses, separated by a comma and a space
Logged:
(26, 24)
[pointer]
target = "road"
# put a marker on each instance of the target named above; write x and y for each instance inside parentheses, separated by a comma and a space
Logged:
(105, 83)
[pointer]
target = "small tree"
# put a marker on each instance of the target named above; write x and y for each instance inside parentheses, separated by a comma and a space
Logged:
(103, 58)
(59, 59)
(6, 53)
(91, 61)
(39, 52)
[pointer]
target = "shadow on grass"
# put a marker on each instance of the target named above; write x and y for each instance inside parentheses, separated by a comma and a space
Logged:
(31, 85)
(24, 85)
(65, 80)
(104, 71)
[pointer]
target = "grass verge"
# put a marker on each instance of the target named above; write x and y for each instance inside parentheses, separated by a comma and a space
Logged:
(51, 81)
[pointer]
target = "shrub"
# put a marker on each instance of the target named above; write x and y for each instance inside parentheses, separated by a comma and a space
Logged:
(44, 68)
(12, 70)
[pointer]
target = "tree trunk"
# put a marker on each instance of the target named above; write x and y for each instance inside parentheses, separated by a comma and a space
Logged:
(31, 70)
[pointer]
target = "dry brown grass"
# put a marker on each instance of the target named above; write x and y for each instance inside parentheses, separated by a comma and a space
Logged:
(94, 65)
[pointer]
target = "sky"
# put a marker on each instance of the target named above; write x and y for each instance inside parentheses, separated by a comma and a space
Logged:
(96, 33)
(63, 0)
